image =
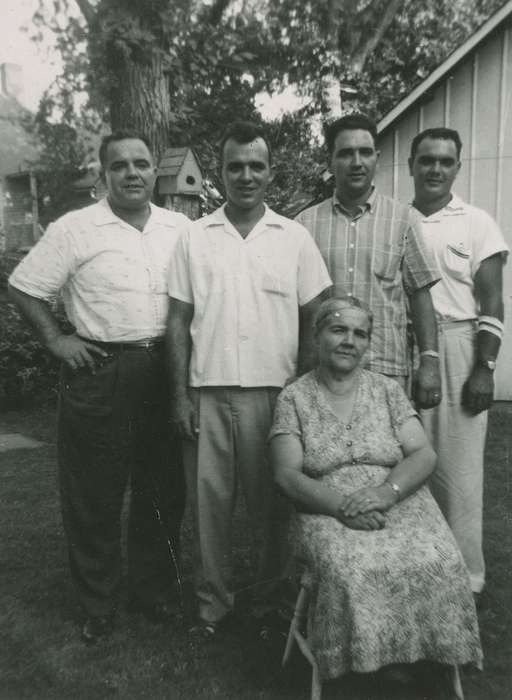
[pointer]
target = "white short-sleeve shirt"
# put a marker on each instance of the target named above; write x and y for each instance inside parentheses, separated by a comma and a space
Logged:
(113, 278)
(246, 295)
(460, 236)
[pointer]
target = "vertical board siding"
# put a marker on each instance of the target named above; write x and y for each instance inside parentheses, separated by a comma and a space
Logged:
(407, 130)
(472, 134)
(486, 125)
(460, 119)
(386, 163)
(504, 211)
(447, 102)
(433, 110)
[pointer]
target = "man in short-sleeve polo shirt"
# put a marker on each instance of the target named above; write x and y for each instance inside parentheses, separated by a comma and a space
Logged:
(109, 261)
(468, 301)
(241, 282)
(373, 248)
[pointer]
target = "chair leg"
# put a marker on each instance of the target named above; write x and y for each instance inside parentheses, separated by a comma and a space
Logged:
(295, 636)
(316, 684)
(298, 616)
(455, 682)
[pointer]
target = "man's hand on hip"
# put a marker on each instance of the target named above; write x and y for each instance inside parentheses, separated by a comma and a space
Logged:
(74, 351)
(427, 383)
(184, 417)
(478, 390)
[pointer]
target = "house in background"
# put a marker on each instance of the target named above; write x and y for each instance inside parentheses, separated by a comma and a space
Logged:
(471, 92)
(18, 150)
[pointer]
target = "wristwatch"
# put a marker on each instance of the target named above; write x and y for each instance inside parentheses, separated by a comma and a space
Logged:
(490, 364)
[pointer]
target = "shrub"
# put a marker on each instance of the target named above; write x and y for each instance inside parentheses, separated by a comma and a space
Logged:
(28, 373)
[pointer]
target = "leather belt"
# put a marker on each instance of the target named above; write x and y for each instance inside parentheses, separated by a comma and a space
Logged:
(144, 344)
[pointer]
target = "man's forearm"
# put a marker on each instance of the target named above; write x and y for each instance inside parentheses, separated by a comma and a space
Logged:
(179, 347)
(489, 292)
(423, 319)
(38, 313)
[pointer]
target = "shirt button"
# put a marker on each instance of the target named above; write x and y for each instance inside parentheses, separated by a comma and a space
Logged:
(351, 245)
(244, 337)
(349, 443)
(352, 223)
(348, 426)
(351, 269)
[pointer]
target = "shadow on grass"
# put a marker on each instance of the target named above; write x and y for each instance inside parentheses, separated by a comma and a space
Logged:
(41, 656)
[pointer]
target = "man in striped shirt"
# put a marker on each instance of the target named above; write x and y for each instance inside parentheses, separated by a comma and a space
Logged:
(374, 250)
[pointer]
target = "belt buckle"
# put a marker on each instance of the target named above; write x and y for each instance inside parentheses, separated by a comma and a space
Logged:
(147, 345)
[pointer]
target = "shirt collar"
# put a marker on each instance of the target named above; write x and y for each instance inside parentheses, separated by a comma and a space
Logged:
(456, 204)
(105, 215)
(219, 218)
(367, 206)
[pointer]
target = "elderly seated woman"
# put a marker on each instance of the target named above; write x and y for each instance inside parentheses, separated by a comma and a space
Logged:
(389, 585)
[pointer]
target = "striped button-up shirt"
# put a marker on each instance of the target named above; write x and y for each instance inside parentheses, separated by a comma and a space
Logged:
(377, 255)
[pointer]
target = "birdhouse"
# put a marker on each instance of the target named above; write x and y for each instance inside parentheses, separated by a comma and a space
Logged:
(179, 182)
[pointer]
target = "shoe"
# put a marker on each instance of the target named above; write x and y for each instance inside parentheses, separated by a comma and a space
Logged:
(207, 629)
(203, 629)
(274, 624)
(158, 613)
(96, 628)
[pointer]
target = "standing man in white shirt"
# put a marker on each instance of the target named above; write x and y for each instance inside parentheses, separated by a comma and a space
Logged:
(241, 282)
(470, 251)
(109, 261)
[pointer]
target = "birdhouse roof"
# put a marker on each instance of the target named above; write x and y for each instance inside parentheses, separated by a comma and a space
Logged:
(173, 159)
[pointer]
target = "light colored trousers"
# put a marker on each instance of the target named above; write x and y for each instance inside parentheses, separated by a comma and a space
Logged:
(231, 453)
(459, 441)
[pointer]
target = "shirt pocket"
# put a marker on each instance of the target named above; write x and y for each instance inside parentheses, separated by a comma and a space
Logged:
(272, 275)
(456, 260)
(386, 263)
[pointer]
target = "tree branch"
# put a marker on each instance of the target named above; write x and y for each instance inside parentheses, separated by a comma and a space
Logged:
(87, 10)
(216, 11)
(366, 48)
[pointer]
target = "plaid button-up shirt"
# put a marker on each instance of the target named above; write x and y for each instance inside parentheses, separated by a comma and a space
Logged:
(379, 256)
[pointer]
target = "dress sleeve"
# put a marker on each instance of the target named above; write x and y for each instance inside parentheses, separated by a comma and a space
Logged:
(286, 419)
(400, 408)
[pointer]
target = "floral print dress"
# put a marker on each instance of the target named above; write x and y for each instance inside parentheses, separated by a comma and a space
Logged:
(395, 595)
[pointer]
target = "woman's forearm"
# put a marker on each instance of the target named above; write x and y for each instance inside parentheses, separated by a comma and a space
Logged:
(413, 471)
(308, 494)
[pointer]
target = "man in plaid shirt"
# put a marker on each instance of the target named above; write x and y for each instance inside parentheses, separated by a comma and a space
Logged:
(374, 250)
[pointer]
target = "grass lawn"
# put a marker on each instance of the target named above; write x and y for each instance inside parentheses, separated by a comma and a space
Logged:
(41, 656)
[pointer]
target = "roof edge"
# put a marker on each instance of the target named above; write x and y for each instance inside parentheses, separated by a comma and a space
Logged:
(455, 57)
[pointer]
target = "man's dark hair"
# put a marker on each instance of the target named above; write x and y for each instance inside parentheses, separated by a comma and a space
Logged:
(119, 135)
(243, 132)
(350, 122)
(439, 132)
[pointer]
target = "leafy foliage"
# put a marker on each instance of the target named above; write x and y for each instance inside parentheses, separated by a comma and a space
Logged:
(181, 70)
(316, 41)
(27, 370)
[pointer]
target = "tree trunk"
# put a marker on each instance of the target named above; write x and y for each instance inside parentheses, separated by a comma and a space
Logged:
(140, 99)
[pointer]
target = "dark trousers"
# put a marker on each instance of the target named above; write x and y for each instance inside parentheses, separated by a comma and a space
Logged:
(113, 428)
